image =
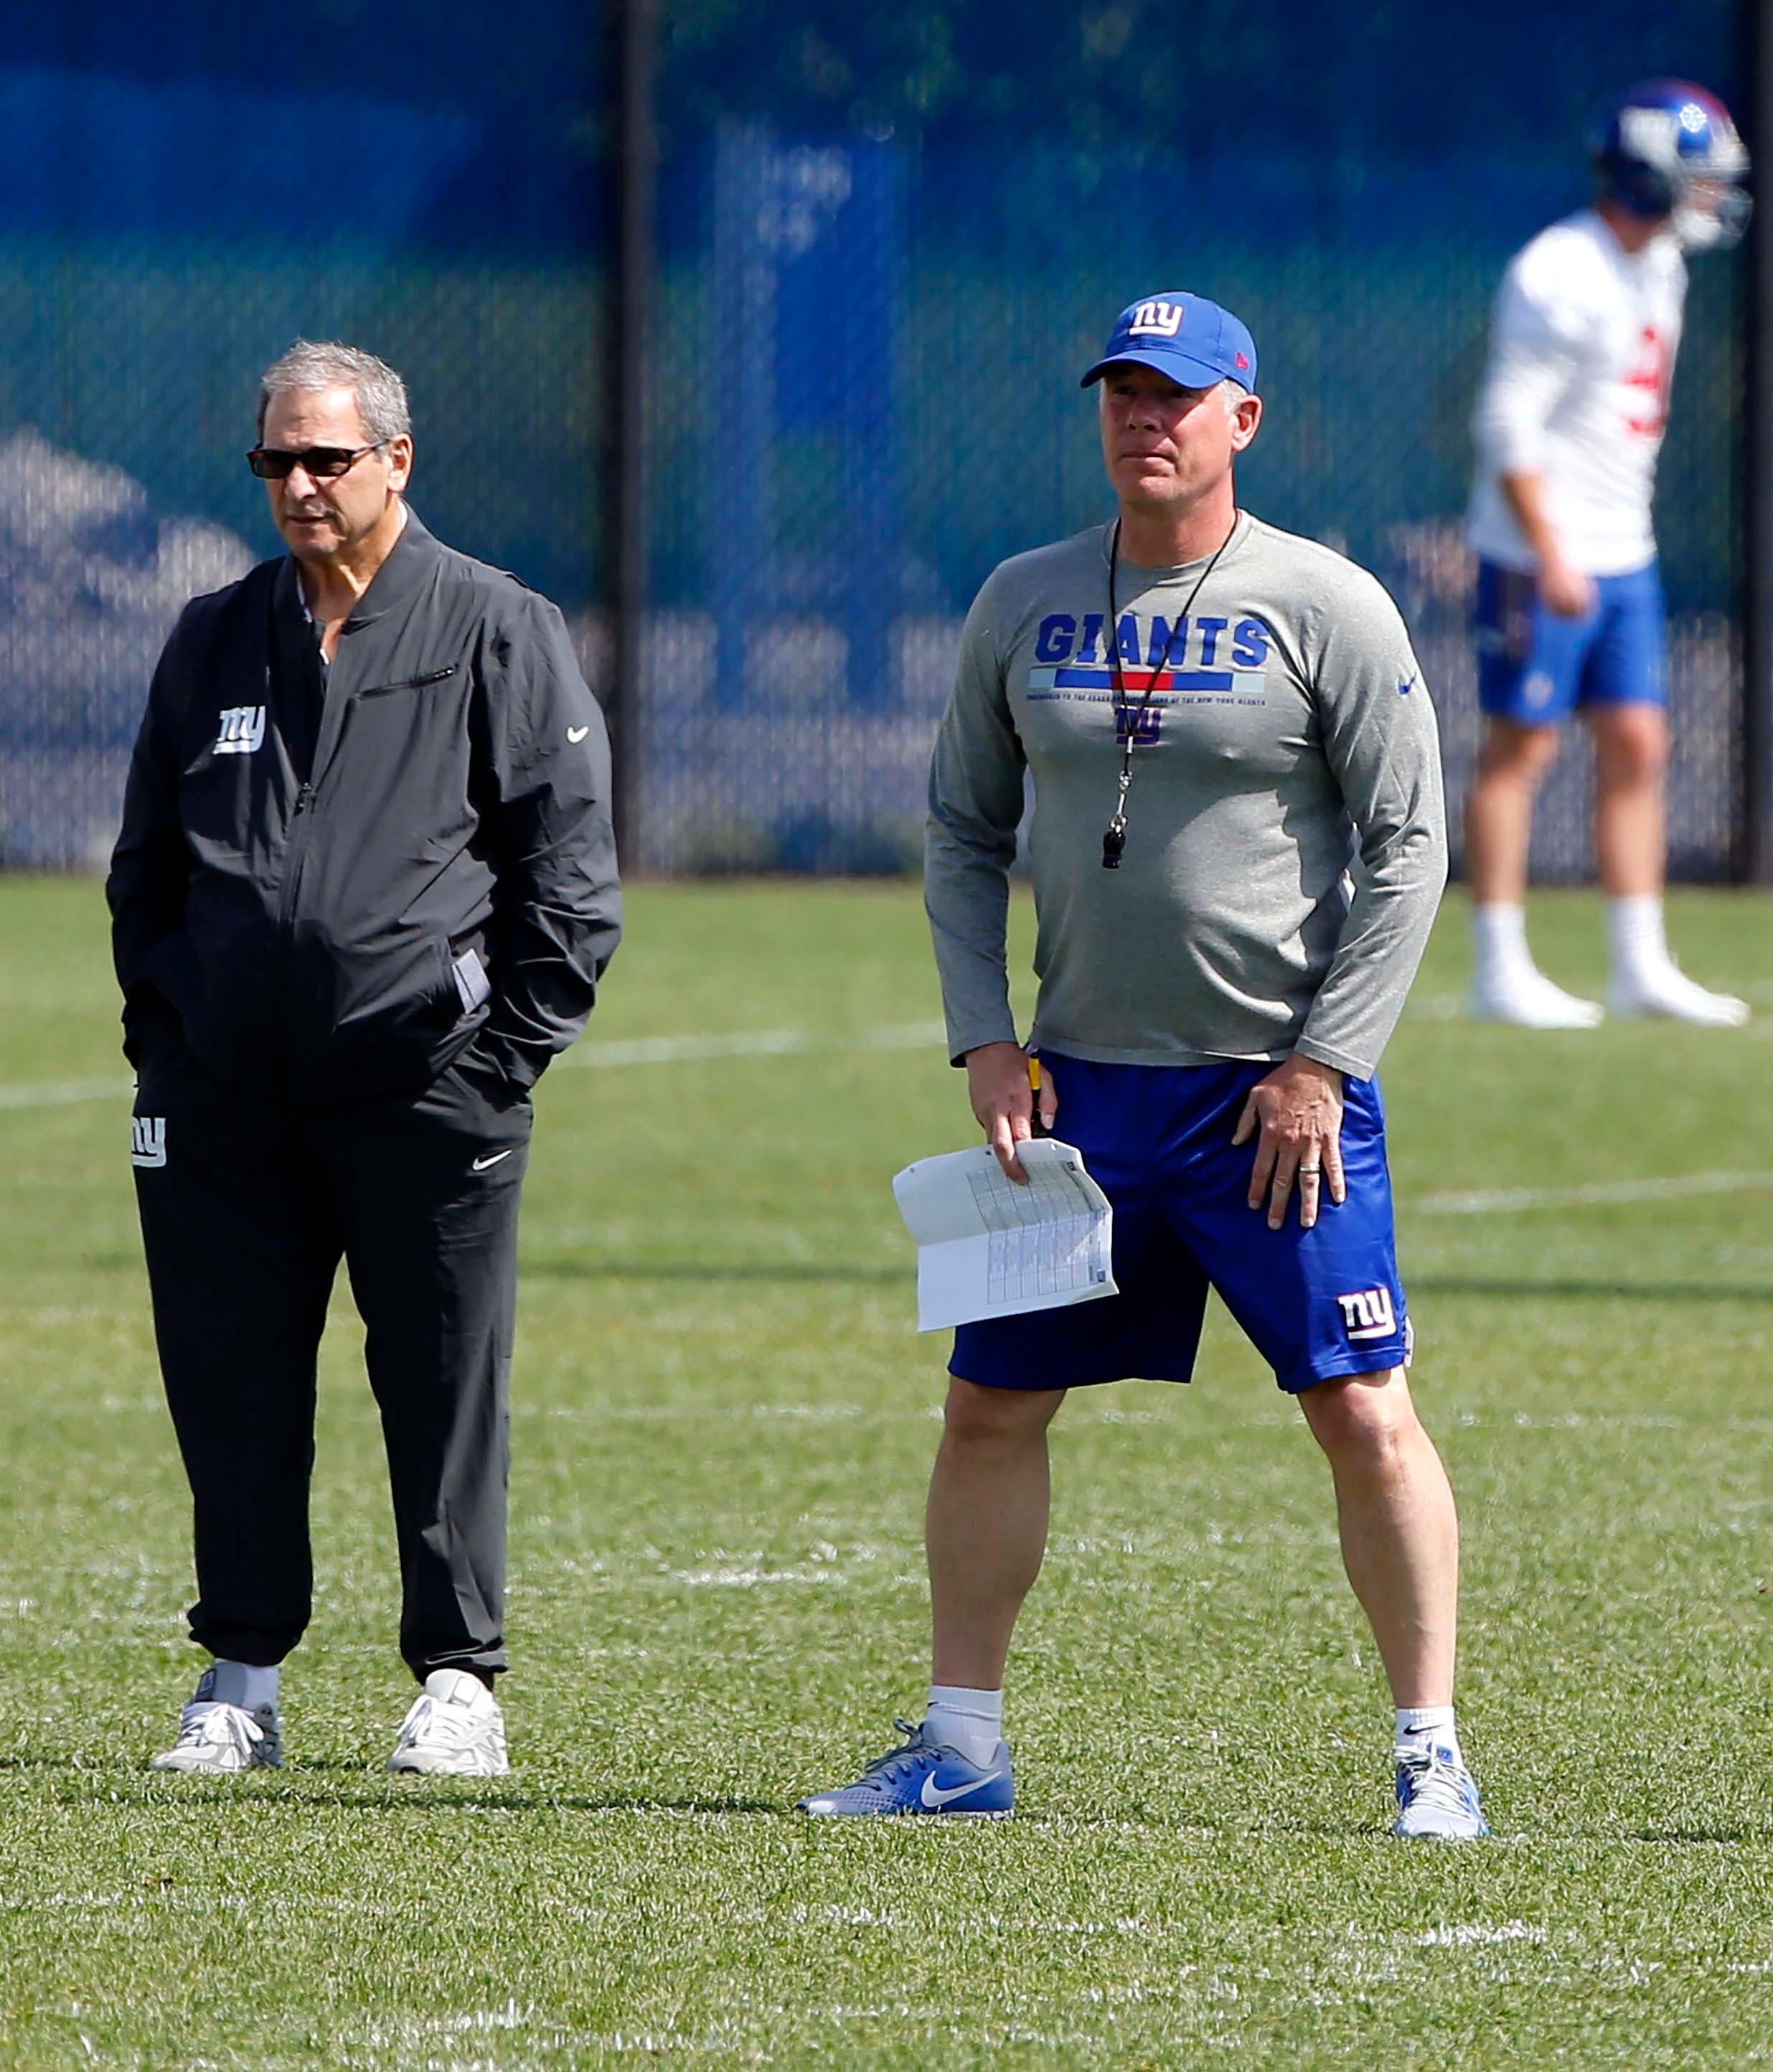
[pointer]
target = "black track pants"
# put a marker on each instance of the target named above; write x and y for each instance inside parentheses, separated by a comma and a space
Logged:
(246, 1211)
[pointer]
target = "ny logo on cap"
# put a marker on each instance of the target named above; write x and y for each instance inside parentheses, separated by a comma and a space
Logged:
(1163, 319)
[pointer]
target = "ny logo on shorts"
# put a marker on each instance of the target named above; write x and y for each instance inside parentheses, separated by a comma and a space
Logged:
(148, 1139)
(242, 730)
(1369, 1315)
(1161, 319)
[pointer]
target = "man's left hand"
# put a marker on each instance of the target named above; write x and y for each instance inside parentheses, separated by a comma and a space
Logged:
(1298, 1109)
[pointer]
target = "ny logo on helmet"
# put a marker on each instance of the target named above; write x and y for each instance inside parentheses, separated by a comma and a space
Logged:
(1652, 134)
(1163, 319)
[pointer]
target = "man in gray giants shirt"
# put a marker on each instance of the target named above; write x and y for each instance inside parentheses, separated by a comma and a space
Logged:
(1221, 721)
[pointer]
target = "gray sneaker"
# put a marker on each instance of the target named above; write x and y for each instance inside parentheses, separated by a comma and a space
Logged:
(216, 1739)
(454, 1728)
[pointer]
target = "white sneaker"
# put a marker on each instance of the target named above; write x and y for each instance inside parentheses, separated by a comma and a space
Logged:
(455, 1729)
(1530, 1000)
(1669, 993)
(217, 1739)
(1436, 1795)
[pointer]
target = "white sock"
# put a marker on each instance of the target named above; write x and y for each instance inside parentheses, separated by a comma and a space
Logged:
(1433, 1723)
(970, 1721)
(1634, 936)
(1499, 942)
(245, 1685)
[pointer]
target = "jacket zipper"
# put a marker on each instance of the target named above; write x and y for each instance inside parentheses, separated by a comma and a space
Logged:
(294, 848)
(291, 857)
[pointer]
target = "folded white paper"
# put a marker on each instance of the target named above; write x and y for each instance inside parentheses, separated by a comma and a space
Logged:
(986, 1248)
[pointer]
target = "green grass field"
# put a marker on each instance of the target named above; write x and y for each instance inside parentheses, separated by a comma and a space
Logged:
(723, 1428)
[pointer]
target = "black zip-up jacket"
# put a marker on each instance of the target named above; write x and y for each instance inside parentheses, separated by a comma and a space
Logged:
(335, 880)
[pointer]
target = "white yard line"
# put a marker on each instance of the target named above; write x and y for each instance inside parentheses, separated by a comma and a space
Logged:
(594, 1056)
(1509, 1201)
(920, 1035)
(754, 1043)
(1450, 1006)
(58, 1093)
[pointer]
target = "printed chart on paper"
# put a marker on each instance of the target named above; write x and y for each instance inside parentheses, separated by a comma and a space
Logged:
(987, 1248)
(1045, 1238)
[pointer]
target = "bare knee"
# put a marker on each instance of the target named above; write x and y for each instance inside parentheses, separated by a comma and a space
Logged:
(976, 1417)
(1631, 746)
(1362, 1419)
(1514, 754)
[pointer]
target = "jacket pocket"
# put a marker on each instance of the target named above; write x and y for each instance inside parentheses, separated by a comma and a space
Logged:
(444, 999)
(472, 983)
(410, 684)
(149, 1022)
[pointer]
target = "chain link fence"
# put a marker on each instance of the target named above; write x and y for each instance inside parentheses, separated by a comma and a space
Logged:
(864, 381)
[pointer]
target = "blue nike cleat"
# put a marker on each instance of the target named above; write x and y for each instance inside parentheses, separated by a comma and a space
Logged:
(1436, 1796)
(923, 1777)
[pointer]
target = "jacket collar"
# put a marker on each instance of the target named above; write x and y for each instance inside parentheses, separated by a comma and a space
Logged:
(399, 578)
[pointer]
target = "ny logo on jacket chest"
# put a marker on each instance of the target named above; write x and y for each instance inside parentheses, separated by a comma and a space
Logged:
(241, 730)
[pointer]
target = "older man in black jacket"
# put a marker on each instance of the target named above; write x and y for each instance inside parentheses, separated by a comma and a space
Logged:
(364, 890)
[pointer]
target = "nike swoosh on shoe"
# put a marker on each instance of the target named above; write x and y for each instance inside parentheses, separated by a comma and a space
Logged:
(935, 1796)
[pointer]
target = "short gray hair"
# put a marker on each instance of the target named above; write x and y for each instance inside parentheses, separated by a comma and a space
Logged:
(307, 368)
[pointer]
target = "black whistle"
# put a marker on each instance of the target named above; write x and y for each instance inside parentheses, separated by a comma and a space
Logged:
(1113, 843)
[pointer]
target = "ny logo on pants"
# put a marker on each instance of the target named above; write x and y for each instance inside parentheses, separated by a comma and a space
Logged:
(148, 1139)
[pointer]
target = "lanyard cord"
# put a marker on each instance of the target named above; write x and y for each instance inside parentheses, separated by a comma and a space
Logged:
(1114, 841)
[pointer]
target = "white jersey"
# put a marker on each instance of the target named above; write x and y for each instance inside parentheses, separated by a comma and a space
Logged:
(1582, 354)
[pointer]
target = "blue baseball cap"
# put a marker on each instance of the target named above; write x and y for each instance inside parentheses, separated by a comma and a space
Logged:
(1192, 340)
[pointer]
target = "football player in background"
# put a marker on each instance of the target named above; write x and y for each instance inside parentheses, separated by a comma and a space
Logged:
(1570, 612)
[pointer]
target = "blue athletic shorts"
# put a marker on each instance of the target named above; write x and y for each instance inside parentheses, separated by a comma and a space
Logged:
(1315, 1304)
(1537, 668)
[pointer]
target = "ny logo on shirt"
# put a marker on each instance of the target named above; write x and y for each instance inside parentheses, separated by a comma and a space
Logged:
(241, 731)
(1140, 724)
(148, 1139)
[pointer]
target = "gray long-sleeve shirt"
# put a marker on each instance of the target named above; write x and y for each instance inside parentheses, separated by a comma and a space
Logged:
(1287, 842)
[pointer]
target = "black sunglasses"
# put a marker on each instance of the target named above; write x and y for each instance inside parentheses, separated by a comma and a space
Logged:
(323, 463)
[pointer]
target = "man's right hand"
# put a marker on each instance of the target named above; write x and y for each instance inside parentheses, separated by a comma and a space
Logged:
(997, 1082)
(1564, 591)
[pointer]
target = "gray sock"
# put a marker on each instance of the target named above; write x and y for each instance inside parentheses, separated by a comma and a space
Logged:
(245, 1685)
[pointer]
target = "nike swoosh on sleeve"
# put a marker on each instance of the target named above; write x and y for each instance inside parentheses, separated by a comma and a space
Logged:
(576, 734)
